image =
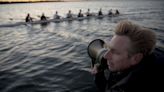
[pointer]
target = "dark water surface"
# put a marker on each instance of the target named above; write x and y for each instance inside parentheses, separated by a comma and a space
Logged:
(53, 58)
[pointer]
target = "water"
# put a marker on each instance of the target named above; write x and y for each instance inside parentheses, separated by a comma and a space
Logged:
(53, 58)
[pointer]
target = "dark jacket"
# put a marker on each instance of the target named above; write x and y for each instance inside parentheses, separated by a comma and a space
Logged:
(147, 76)
(43, 17)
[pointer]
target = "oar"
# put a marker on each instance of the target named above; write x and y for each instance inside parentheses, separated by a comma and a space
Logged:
(14, 19)
(40, 16)
(10, 18)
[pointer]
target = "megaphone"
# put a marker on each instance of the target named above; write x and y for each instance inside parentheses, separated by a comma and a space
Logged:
(96, 50)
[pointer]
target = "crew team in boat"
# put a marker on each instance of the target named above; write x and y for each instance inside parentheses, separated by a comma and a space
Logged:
(70, 15)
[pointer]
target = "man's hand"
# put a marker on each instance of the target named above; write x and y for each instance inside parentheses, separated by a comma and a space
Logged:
(94, 69)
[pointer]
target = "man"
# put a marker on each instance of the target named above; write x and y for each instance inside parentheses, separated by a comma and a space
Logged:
(117, 12)
(43, 17)
(88, 13)
(28, 18)
(69, 14)
(131, 61)
(80, 13)
(56, 16)
(100, 12)
(110, 12)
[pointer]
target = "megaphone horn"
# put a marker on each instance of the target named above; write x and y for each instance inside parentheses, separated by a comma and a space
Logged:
(96, 50)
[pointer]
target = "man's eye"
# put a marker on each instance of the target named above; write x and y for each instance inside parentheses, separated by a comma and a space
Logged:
(112, 51)
(118, 53)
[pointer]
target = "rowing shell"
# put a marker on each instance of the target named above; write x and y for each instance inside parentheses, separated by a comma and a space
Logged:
(51, 20)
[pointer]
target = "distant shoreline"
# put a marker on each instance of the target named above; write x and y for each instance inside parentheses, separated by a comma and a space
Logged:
(28, 2)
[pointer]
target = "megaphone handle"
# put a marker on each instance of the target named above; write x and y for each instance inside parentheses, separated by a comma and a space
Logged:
(93, 62)
(104, 65)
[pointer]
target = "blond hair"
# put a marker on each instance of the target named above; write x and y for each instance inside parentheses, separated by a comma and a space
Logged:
(143, 40)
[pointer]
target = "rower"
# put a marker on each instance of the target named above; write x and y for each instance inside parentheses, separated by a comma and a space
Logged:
(69, 14)
(88, 13)
(110, 12)
(100, 12)
(43, 17)
(117, 12)
(80, 14)
(56, 16)
(28, 18)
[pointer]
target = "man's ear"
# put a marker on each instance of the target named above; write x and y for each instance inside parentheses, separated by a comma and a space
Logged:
(137, 58)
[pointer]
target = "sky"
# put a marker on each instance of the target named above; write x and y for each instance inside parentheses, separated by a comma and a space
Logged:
(43, 0)
(33, 0)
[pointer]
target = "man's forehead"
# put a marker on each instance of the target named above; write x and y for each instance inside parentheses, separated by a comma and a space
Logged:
(118, 41)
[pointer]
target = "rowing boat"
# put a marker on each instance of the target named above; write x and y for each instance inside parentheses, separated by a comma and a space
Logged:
(52, 20)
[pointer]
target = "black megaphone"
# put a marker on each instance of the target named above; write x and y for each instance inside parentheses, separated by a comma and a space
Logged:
(96, 51)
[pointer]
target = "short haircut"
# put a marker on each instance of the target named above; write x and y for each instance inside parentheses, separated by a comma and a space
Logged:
(143, 40)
